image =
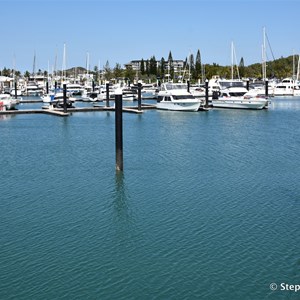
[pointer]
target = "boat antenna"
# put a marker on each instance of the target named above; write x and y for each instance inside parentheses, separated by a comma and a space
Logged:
(298, 68)
(33, 69)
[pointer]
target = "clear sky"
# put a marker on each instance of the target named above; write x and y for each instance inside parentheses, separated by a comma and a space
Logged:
(119, 31)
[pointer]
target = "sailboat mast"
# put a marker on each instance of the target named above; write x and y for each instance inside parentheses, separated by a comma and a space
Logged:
(231, 60)
(190, 61)
(99, 72)
(63, 71)
(14, 67)
(234, 62)
(33, 68)
(294, 73)
(264, 62)
(87, 63)
(298, 68)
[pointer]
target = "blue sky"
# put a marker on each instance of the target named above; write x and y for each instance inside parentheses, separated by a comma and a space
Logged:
(119, 31)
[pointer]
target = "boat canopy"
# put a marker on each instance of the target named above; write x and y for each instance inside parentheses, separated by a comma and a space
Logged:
(228, 84)
(172, 86)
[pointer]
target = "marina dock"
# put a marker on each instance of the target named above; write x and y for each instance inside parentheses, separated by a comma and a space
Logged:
(60, 111)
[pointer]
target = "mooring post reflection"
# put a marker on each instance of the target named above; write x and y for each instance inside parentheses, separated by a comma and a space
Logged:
(123, 216)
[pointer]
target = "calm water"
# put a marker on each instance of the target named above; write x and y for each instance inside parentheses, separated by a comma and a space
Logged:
(207, 208)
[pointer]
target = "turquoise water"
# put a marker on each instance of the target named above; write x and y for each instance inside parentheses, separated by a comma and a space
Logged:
(207, 207)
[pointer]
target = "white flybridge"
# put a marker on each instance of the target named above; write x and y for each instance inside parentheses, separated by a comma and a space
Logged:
(174, 96)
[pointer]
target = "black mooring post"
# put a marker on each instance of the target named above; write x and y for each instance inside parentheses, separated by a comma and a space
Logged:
(267, 88)
(107, 94)
(16, 93)
(93, 85)
(55, 86)
(119, 130)
(65, 97)
(47, 87)
(188, 86)
(139, 96)
(206, 93)
(247, 85)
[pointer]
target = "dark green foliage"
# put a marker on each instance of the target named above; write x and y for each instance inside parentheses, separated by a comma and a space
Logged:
(129, 73)
(170, 65)
(153, 66)
(242, 67)
(197, 74)
(280, 68)
(162, 67)
(142, 67)
(118, 71)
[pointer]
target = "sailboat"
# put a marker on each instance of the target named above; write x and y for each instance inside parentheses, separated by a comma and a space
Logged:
(233, 93)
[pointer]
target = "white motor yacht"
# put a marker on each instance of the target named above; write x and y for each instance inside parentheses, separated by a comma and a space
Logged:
(287, 87)
(32, 89)
(239, 97)
(176, 97)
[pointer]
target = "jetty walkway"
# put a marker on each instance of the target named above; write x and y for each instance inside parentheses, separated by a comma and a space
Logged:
(60, 111)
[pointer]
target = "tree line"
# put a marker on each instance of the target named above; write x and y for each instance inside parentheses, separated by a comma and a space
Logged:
(152, 69)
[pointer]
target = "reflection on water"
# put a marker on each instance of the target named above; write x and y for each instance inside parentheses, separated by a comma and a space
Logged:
(285, 103)
(6, 117)
(122, 215)
(120, 189)
(204, 198)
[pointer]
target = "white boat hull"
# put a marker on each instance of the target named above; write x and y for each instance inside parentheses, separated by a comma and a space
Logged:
(179, 106)
(240, 104)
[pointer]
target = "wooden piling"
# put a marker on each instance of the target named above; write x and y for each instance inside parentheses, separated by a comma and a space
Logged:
(65, 97)
(119, 130)
(16, 90)
(107, 94)
(267, 88)
(206, 93)
(139, 96)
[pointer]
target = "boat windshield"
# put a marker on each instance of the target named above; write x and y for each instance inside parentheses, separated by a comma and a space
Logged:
(234, 94)
(183, 97)
(170, 86)
(228, 84)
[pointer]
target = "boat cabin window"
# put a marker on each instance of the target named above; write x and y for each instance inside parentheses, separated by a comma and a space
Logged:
(170, 86)
(235, 94)
(183, 97)
(160, 98)
(227, 84)
(167, 98)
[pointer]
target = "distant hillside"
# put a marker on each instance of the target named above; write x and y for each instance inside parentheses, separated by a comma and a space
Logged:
(76, 70)
(279, 68)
